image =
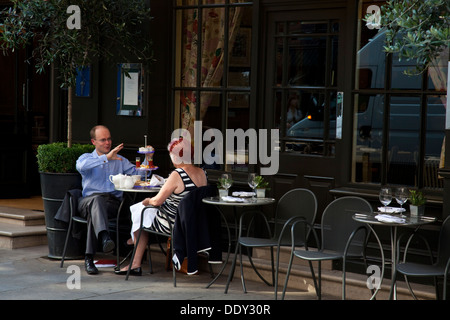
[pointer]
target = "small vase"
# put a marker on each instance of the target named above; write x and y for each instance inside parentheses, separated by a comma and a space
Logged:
(223, 193)
(261, 193)
(416, 210)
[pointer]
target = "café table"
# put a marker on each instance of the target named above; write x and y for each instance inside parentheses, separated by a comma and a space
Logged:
(393, 223)
(238, 203)
(131, 194)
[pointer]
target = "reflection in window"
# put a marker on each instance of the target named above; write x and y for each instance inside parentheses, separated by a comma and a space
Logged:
(304, 93)
(392, 143)
(213, 51)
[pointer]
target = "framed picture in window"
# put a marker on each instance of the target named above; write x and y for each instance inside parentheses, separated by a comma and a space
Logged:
(241, 52)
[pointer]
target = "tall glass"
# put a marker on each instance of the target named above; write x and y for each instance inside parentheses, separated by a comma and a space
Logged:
(385, 196)
(252, 182)
(401, 196)
(227, 181)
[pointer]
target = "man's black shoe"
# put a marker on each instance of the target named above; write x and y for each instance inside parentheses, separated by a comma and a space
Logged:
(90, 266)
(108, 244)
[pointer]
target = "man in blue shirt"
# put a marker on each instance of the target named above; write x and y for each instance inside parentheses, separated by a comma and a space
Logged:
(100, 200)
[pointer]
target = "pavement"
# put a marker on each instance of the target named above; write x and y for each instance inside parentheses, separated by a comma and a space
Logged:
(28, 274)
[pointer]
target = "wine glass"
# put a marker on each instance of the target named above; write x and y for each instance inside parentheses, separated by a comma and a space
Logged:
(252, 182)
(226, 181)
(401, 196)
(385, 197)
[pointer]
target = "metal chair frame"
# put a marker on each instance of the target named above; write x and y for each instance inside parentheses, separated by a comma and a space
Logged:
(274, 239)
(324, 253)
(438, 268)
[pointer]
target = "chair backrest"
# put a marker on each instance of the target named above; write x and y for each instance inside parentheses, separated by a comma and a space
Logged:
(337, 224)
(444, 242)
(296, 202)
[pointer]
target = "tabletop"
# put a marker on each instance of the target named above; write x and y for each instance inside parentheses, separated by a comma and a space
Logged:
(147, 189)
(407, 219)
(241, 202)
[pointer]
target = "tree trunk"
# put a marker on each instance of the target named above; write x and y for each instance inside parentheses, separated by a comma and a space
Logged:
(69, 117)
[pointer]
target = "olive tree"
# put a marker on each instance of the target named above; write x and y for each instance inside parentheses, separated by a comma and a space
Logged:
(416, 29)
(71, 34)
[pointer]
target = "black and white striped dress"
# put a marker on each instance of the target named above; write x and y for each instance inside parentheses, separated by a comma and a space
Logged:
(170, 206)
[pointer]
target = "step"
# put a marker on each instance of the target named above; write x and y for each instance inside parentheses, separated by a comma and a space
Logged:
(13, 236)
(22, 217)
(300, 279)
(20, 228)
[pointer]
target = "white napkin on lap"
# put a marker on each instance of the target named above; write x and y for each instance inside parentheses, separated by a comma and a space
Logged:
(391, 209)
(232, 199)
(388, 218)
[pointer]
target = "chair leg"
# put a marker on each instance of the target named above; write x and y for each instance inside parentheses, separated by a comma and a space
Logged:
(319, 293)
(174, 274)
(242, 270)
(134, 252)
(257, 272)
(69, 230)
(287, 277)
(233, 266)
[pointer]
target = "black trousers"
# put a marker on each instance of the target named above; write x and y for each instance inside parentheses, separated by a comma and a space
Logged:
(97, 209)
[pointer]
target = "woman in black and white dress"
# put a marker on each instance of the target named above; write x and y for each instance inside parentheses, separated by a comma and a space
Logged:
(181, 181)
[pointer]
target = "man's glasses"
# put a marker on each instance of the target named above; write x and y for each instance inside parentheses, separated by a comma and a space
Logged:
(104, 140)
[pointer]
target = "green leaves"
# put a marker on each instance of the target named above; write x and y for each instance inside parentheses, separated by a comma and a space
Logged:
(416, 30)
(56, 157)
(111, 30)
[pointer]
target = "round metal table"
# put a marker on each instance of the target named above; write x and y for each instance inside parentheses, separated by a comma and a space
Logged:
(241, 203)
(409, 221)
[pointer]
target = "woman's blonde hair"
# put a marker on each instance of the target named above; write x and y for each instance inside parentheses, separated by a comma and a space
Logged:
(180, 150)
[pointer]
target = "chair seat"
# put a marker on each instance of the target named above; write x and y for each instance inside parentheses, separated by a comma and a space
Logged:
(257, 242)
(418, 269)
(317, 255)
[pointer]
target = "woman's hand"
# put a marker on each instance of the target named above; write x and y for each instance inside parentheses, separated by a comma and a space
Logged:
(146, 201)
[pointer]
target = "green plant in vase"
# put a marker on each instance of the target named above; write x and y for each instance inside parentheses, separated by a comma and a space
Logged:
(261, 186)
(417, 202)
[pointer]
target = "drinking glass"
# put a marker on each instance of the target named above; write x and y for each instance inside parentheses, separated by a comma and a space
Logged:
(226, 181)
(401, 196)
(252, 182)
(385, 197)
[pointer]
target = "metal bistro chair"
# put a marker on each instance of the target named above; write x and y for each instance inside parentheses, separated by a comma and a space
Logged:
(188, 198)
(293, 205)
(440, 268)
(342, 238)
(75, 218)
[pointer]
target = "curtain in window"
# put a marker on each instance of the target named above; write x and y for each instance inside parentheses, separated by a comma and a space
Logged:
(212, 55)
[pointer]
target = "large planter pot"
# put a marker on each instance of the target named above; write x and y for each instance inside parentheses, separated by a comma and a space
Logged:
(54, 187)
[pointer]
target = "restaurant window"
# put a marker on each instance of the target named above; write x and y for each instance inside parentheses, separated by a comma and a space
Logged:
(305, 85)
(399, 119)
(213, 70)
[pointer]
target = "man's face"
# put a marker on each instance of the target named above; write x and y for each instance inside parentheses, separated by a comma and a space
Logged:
(102, 141)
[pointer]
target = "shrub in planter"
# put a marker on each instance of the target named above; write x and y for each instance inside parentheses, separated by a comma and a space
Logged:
(58, 174)
(56, 157)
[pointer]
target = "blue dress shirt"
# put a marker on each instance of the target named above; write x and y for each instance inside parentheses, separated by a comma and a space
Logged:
(95, 171)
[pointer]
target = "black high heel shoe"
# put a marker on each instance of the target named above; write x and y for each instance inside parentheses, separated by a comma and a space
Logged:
(133, 272)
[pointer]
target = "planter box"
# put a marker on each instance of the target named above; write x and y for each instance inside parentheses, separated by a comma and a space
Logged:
(54, 187)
